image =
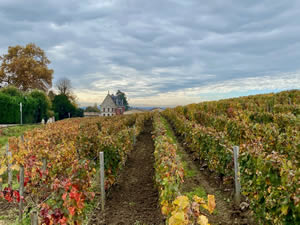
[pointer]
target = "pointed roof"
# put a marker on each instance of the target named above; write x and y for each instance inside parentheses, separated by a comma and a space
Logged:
(112, 101)
(108, 101)
(117, 100)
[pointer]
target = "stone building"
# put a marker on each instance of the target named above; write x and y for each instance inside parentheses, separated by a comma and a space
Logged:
(112, 105)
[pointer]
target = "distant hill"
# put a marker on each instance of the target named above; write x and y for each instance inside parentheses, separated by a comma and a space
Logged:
(146, 107)
(135, 107)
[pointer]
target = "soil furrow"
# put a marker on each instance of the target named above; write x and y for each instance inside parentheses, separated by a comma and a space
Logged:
(134, 199)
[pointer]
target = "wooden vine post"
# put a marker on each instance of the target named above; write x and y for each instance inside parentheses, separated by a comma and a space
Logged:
(44, 166)
(237, 196)
(34, 218)
(102, 180)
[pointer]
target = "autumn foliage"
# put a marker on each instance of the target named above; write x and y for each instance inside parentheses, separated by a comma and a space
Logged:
(61, 191)
(169, 175)
(26, 68)
(266, 128)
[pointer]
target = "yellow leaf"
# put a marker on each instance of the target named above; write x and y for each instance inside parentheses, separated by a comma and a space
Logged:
(284, 209)
(2, 170)
(10, 160)
(177, 219)
(165, 208)
(198, 199)
(211, 203)
(15, 167)
(182, 202)
(202, 220)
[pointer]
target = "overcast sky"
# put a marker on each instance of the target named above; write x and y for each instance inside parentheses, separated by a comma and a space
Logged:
(161, 52)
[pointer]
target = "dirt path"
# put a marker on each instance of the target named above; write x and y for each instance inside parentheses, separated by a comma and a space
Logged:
(200, 181)
(134, 199)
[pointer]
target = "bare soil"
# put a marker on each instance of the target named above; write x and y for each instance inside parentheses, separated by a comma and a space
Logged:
(134, 198)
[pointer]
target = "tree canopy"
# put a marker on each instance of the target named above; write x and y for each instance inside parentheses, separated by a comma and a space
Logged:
(64, 87)
(26, 68)
(92, 108)
(62, 106)
(44, 105)
(123, 97)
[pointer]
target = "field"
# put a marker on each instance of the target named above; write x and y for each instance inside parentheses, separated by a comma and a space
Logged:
(174, 167)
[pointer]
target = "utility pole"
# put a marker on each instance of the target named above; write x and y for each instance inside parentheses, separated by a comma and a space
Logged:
(21, 113)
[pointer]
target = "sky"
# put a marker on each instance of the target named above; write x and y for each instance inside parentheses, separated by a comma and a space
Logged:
(161, 52)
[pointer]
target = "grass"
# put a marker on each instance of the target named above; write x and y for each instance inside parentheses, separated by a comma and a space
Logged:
(188, 172)
(3, 217)
(90, 206)
(199, 191)
(169, 130)
(15, 131)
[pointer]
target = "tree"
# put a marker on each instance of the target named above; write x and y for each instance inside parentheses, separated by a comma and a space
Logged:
(92, 108)
(12, 91)
(43, 107)
(51, 95)
(79, 112)
(64, 87)
(26, 68)
(63, 106)
(123, 98)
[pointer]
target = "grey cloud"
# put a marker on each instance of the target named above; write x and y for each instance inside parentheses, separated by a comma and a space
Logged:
(170, 45)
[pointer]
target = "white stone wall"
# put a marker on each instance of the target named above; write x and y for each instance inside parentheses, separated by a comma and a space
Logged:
(108, 113)
(108, 107)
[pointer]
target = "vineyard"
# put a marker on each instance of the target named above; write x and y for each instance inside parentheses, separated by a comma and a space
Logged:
(51, 174)
(60, 163)
(266, 128)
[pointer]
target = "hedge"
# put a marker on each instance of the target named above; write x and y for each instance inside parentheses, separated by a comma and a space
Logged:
(10, 109)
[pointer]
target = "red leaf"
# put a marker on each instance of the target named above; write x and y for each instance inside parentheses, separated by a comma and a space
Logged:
(71, 210)
(63, 221)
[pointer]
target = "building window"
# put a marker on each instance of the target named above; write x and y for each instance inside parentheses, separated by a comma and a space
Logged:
(104, 110)
(112, 109)
(108, 110)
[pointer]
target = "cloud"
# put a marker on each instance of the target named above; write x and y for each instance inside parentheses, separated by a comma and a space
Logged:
(161, 52)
